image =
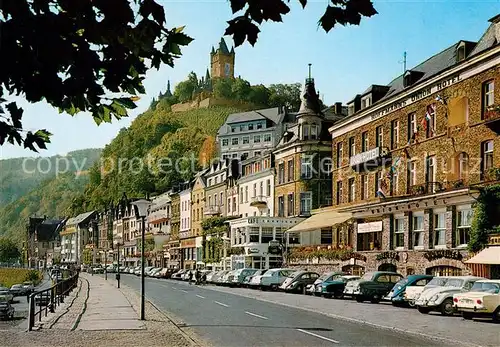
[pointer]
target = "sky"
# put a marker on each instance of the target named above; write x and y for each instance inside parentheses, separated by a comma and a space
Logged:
(344, 61)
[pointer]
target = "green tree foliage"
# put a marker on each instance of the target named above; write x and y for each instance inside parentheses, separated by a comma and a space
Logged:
(9, 252)
(285, 95)
(486, 218)
(185, 90)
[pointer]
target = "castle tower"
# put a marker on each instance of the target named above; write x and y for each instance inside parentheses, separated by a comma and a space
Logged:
(222, 61)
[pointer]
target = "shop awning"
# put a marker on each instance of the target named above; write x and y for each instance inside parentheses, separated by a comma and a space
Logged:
(490, 255)
(320, 220)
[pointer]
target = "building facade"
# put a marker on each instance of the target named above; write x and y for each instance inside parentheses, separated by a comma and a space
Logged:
(410, 156)
(222, 61)
(74, 237)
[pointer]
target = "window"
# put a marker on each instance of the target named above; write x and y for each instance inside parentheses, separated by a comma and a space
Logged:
(430, 121)
(256, 153)
(378, 188)
(305, 202)
(352, 189)
(254, 190)
(306, 167)
(209, 201)
(225, 142)
(259, 125)
(394, 134)
(216, 180)
(256, 139)
(234, 141)
(254, 234)
(418, 231)
(246, 193)
(462, 233)
(486, 157)
(352, 146)
(293, 238)
(250, 126)
(430, 173)
(267, 138)
(412, 173)
(233, 129)
(235, 155)
(364, 141)
(314, 132)
(305, 132)
(241, 195)
(488, 95)
(267, 234)
(412, 126)
(229, 205)
(399, 233)
(340, 154)
(439, 234)
(261, 188)
(268, 187)
(234, 204)
(395, 182)
(281, 206)
(379, 136)
(339, 192)
(242, 127)
(281, 173)
(364, 187)
(326, 237)
(463, 166)
(246, 140)
(290, 205)
(290, 175)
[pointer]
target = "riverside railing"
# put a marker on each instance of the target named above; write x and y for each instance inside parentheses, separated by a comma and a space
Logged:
(48, 299)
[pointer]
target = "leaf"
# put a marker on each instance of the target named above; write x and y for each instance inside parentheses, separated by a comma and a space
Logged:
(39, 139)
(179, 29)
(180, 39)
(16, 114)
(118, 109)
(126, 102)
(303, 3)
(241, 28)
(237, 5)
(135, 98)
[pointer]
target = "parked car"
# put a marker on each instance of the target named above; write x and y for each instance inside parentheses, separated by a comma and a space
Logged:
(297, 281)
(6, 295)
(220, 277)
(335, 287)
(165, 273)
(227, 279)
(483, 300)
(29, 287)
(254, 280)
(413, 293)
(6, 309)
(42, 299)
(373, 286)
(241, 274)
(273, 278)
(178, 275)
(315, 288)
(210, 274)
(397, 293)
(441, 298)
(18, 290)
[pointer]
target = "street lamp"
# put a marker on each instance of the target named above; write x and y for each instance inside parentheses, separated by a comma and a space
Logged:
(142, 211)
(117, 242)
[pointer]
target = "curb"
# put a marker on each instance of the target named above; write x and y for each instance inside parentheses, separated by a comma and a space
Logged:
(77, 321)
(68, 307)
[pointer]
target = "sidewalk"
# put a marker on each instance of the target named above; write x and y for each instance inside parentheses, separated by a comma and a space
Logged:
(98, 311)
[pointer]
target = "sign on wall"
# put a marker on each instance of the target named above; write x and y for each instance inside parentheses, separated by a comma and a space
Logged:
(371, 227)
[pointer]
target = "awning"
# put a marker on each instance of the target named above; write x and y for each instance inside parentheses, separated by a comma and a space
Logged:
(320, 220)
(490, 255)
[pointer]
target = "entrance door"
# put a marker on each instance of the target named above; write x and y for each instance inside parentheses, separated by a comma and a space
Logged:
(387, 267)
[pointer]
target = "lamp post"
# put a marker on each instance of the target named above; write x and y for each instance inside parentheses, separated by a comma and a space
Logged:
(142, 211)
(118, 241)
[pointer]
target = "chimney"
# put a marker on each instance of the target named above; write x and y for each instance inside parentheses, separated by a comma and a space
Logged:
(338, 108)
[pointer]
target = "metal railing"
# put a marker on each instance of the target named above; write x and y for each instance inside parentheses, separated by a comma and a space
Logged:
(48, 299)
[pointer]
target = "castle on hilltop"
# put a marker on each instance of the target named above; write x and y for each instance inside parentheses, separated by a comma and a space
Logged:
(221, 66)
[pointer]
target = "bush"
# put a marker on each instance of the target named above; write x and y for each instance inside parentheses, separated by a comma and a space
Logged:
(11, 276)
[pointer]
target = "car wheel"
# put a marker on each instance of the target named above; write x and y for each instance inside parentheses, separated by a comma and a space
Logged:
(447, 307)
(467, 315)
(328, 296)
(496, 315)
(338, 295)
(274, 287)
(359, 298)
(423, 310)
(317, 294)
(375, 299)
(300, 289)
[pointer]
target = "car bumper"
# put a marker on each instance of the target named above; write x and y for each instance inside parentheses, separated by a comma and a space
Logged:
(478, 310)
(352, 291)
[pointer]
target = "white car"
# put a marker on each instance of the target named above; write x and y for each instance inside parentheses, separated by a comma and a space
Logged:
(483, 300)
(412, 293)
(441, 298)
(6, 294)
(274, 278)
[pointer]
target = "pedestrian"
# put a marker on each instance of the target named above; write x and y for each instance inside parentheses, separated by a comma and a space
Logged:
(204, 278)
(197, 275)
(190, 277)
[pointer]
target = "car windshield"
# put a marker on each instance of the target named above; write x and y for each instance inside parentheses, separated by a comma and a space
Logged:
(294, 274)
(403, 282)
(487, 287)
(454, 282)
(438, 281)
(368, 276)
(17, 286)
(324, 276)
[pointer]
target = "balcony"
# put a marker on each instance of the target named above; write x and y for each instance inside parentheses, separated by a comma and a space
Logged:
(259, 201)
(370, 160)
(492, 118)
(426, 188)
(212, 210)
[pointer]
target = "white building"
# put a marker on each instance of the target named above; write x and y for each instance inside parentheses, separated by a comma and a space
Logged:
(256, 187)
(160, 214)
(75, 237)
(256, 234)
(249, 134)
(185, 200)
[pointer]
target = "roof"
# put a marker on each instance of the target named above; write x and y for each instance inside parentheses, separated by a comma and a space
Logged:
(321, 220)
(309, 100)
(80, 218)
(488, 39)
(490, 255)
(48, 230)
(273, 114)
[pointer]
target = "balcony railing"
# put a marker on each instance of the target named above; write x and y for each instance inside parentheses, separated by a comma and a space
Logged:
(212, 210)
(426, 188)
(259, 201)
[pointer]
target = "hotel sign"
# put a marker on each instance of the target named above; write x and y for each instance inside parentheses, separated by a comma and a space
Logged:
(372, 227)
(418, 96)
(372, 158)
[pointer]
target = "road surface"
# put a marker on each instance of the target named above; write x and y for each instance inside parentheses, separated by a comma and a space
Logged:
(225, 319)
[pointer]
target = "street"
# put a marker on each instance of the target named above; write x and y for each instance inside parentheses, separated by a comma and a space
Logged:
(226, 319)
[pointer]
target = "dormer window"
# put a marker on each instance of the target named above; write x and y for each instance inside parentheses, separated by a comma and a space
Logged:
(350, 109)
(305, 132)
(407, 79)
(411, 77)
(314, 132)
(461, 52)
(366, 102)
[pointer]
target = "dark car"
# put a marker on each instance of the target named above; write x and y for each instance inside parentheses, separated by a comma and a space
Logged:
(18, 290)
(373, 286)
(42, 299)
(298, 281)
(397, 293)
(335, 287)
(6, 309)
(315, 288)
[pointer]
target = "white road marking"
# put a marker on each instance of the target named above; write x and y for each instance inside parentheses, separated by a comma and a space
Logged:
(202, 297)
(256, 315)
(220, 303)
(174, 288)
(318, 336)
(185, 291)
